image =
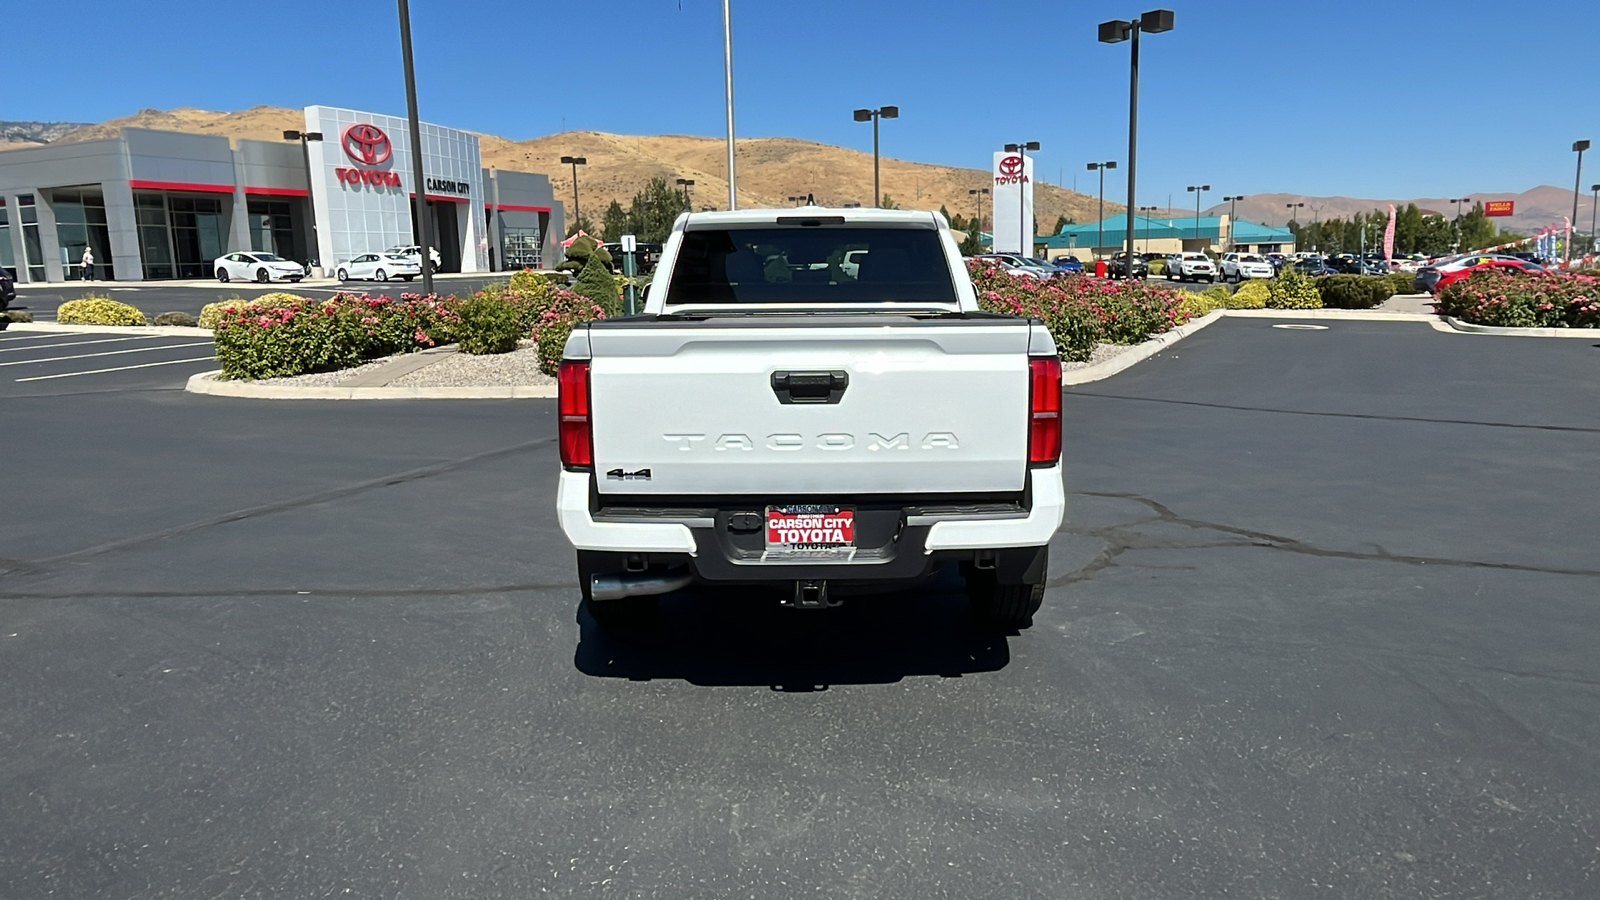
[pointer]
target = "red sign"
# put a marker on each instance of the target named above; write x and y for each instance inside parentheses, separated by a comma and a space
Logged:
(1011, 165)
(1499, 207)
(379, 177)
(366, 144)
(810, 528)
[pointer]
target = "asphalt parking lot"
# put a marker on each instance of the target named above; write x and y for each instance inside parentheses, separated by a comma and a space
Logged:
(35, 363)
(1322, 622)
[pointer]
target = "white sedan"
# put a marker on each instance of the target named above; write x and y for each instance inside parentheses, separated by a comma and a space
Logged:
(380, 267)
(254, 266)
(415, 252)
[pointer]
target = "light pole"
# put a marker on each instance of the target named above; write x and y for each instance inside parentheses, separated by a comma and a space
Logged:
(1594, 203)
(1197, 190)
(873, 115)
(1578, 147)
(1232, 202)
(575, 162)
(1023, 225)
(1115, 32)
(1147, 210)
(1456, 225)
(305, 152)
(727, 76)
(977, 195)
(1101, 167)
(424, 222)
(685, 183)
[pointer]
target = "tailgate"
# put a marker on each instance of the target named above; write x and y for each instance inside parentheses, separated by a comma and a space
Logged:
(915, 407)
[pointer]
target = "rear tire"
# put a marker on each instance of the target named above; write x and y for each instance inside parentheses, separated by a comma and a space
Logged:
(1008, 606)
(382, 275)
(222, 275)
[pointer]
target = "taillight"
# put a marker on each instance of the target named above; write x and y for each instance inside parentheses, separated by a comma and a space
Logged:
(1044, 417)
(577, 438)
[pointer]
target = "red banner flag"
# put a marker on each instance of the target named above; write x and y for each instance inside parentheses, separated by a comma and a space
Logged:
(1388, 237)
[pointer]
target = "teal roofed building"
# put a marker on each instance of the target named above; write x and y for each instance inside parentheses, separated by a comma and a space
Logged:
(1183, 234)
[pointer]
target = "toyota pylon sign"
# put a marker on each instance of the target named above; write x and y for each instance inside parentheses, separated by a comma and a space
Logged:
(1013, 203)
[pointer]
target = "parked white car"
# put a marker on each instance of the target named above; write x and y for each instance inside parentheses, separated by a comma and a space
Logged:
(380, 267)
(1237, 267)
(1186, 266)
(253, 266)
(415, 252)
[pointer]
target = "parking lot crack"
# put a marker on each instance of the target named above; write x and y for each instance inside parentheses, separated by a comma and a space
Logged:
(1125, 536)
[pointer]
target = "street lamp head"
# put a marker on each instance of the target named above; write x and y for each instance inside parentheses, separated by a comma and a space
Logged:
(575, 160)
(889, 112)
(1580, 146)
(1156, 21)
(863, 115)
(1112, 164)
(1114, 31)
(1032, 145)
(312, 135)
(685, 181)
(1595, 188)
(291, 135)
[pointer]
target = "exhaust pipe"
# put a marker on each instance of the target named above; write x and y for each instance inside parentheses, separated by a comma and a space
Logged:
(616, 587)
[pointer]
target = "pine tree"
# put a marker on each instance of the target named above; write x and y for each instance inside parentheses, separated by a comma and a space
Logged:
(596, 283)
(616, 223)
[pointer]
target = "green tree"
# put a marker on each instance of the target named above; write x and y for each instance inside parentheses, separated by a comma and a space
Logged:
(595, 282)
(946, 213)
(972, 244)
(1062, 222)
(660, 205)
(1475, 229)
(888, 203)
(580, 251)
(615, 223)
(1408, 229)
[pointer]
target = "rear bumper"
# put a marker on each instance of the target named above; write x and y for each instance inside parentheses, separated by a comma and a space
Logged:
(916, 539)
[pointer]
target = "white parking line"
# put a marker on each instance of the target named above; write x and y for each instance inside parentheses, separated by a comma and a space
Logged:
(140, 337)
(44, 336)
(170, 362)
(27, 362)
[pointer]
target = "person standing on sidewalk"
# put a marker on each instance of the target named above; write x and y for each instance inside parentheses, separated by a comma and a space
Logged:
(88, 264)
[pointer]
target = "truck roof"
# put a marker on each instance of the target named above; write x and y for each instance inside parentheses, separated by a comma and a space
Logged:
(855, 215)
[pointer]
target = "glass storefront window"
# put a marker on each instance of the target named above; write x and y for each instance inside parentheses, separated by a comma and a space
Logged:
(32, 250)
(8, 257)
(80, 222)
(155, 244)
(272, 228)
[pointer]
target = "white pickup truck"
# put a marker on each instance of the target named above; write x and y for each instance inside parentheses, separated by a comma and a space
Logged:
(774, 418)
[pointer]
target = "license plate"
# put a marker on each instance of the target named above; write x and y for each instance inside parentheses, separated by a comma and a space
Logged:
(810, 532)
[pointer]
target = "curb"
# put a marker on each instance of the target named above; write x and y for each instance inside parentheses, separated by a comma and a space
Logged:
(150, 330)
(208, 383)
(1141, 352)
(1467, 328)
(1349, 315)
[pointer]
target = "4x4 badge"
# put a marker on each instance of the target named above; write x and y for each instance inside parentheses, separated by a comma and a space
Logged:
(638, 475)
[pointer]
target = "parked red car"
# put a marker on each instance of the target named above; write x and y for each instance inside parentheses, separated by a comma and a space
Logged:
(1507, 265)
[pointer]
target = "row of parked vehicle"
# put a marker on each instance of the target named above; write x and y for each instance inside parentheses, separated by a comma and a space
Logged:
(404, 263)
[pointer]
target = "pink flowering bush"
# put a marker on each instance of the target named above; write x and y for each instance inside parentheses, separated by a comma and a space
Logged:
(565, 311)
(1549, 300)
(292, 335)
(1079, 311)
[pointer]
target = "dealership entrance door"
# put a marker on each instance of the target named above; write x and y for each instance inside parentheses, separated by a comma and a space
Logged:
(446, 233)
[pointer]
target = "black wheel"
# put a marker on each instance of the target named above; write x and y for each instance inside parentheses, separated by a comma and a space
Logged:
(222, 275)
(262, 277)
(382, 275)
(1005, 605)
(629, 613)
(343, 275)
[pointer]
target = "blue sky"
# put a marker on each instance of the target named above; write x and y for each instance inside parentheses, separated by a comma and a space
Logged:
(1362, 98)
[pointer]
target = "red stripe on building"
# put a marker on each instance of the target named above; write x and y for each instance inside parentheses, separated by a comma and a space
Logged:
(506, 207)
(277, 192)
(181, 186)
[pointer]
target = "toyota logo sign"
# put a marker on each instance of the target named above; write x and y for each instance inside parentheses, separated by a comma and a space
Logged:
(1011, 165)
(366, 144)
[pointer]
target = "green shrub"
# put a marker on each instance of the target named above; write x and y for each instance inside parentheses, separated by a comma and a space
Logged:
(580, 251)
(1292, 290)
(1403, 282)
(532, 280)
(211, 312)
(1550, 300)
(92, 310)
(18, 315)
(1250, 295)
(181, 319)
(279, 338)
(596, 283)
(489, 324)
(1157, 267)
(1200, 303)
(567, 309)
(1353, 291)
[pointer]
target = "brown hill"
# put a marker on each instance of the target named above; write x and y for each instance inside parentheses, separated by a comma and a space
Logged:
(770, 169)
(1535, 208)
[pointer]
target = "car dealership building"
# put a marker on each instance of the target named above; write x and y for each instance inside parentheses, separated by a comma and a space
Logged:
(164, 205)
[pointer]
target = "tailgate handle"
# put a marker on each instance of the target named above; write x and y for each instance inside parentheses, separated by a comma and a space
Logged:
(810, 387)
